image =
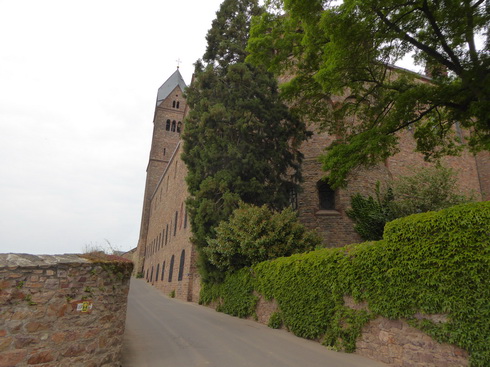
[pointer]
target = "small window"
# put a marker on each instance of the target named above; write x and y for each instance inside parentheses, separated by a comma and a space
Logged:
(157, 273)
(173, 104)
(171, 269)
(173, 126)
(167, 126)
(163, 272)
(326, 196)
(178, 104)
(181, 265)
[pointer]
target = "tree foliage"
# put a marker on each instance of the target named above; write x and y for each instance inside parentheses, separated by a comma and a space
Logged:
(240, 141)
(255, 234)
(427, 189)
(348, 49)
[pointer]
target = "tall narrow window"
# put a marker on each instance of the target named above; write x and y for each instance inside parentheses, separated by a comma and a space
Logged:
(293, 198)
(167, 126)
(326, 196)
(178, 104)
(181, 265)
(171, 269)
(163, 271)
(173, 126)
(173, 104)
(157, 273)
(175, 224)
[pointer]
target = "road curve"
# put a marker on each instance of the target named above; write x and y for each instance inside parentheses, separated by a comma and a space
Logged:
(161, 332)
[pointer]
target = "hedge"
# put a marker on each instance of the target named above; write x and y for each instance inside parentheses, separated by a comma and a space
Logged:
(432, 263)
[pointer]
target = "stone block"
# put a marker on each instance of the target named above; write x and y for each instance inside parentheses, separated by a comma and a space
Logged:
(12, 358)
(41, 357)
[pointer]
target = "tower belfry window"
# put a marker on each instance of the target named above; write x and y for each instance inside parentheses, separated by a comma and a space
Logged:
(173, 126)
(167, 127)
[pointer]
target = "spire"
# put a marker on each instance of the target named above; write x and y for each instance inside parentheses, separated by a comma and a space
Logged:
(173, 81)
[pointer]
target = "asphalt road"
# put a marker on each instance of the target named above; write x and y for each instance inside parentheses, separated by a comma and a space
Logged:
(161, 332)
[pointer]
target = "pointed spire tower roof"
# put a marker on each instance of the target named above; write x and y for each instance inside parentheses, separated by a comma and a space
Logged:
(174, 80)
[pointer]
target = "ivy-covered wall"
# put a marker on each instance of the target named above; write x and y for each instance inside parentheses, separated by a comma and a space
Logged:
(430, 263)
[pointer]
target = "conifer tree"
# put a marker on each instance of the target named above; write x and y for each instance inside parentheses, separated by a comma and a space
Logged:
(240, 140)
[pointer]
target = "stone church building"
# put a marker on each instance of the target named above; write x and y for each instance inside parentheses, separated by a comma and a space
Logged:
(165, 255)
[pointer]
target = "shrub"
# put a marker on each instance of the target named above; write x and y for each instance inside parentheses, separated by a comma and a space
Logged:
(254, 234)
(428, 189)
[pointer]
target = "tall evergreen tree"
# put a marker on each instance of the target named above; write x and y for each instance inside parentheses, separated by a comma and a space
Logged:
(240, 141)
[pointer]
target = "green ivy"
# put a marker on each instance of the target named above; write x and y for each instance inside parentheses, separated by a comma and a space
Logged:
(430, 263)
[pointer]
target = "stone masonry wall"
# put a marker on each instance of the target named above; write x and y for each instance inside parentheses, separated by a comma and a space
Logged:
(392, 342)
(62, 310)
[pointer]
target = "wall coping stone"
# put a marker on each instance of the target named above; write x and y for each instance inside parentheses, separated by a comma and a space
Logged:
(12, 260)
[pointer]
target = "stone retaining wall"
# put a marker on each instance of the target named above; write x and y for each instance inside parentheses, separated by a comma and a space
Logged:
(62, 310)
(392, 342)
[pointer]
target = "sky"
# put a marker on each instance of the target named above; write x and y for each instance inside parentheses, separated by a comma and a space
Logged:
(78, 82)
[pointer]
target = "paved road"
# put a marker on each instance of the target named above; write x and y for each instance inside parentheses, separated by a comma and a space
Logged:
(162, 332)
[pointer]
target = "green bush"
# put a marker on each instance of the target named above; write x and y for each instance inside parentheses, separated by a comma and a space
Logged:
(428, 189)
(254, 234)
(430, 263)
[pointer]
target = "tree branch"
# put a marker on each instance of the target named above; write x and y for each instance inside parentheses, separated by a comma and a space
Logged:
(440, 36)
(470, 37)
(429, 50)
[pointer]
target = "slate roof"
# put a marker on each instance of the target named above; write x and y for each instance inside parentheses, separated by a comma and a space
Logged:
(174, 80)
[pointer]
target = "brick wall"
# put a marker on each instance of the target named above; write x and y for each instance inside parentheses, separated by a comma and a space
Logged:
(166, 238)
(63, 310)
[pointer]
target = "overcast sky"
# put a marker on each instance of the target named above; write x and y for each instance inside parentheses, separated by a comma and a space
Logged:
(78, 82)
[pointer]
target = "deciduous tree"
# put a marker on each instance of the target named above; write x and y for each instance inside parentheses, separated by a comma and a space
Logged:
(348, 49)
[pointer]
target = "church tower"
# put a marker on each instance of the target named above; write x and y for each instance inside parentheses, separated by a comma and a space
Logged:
(167, 127)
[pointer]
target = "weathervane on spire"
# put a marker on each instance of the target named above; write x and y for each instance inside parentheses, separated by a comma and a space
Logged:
(178, 61)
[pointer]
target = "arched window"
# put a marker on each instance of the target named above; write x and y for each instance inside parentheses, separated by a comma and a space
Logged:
(173, 126)
(326, 196)
(171, 269)
(173, 104)
(163, 271)
(178, 104)
(181, 217)
(175, 224)
(181, 266)
(157, 273)
(167, 126)
(179, 127)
